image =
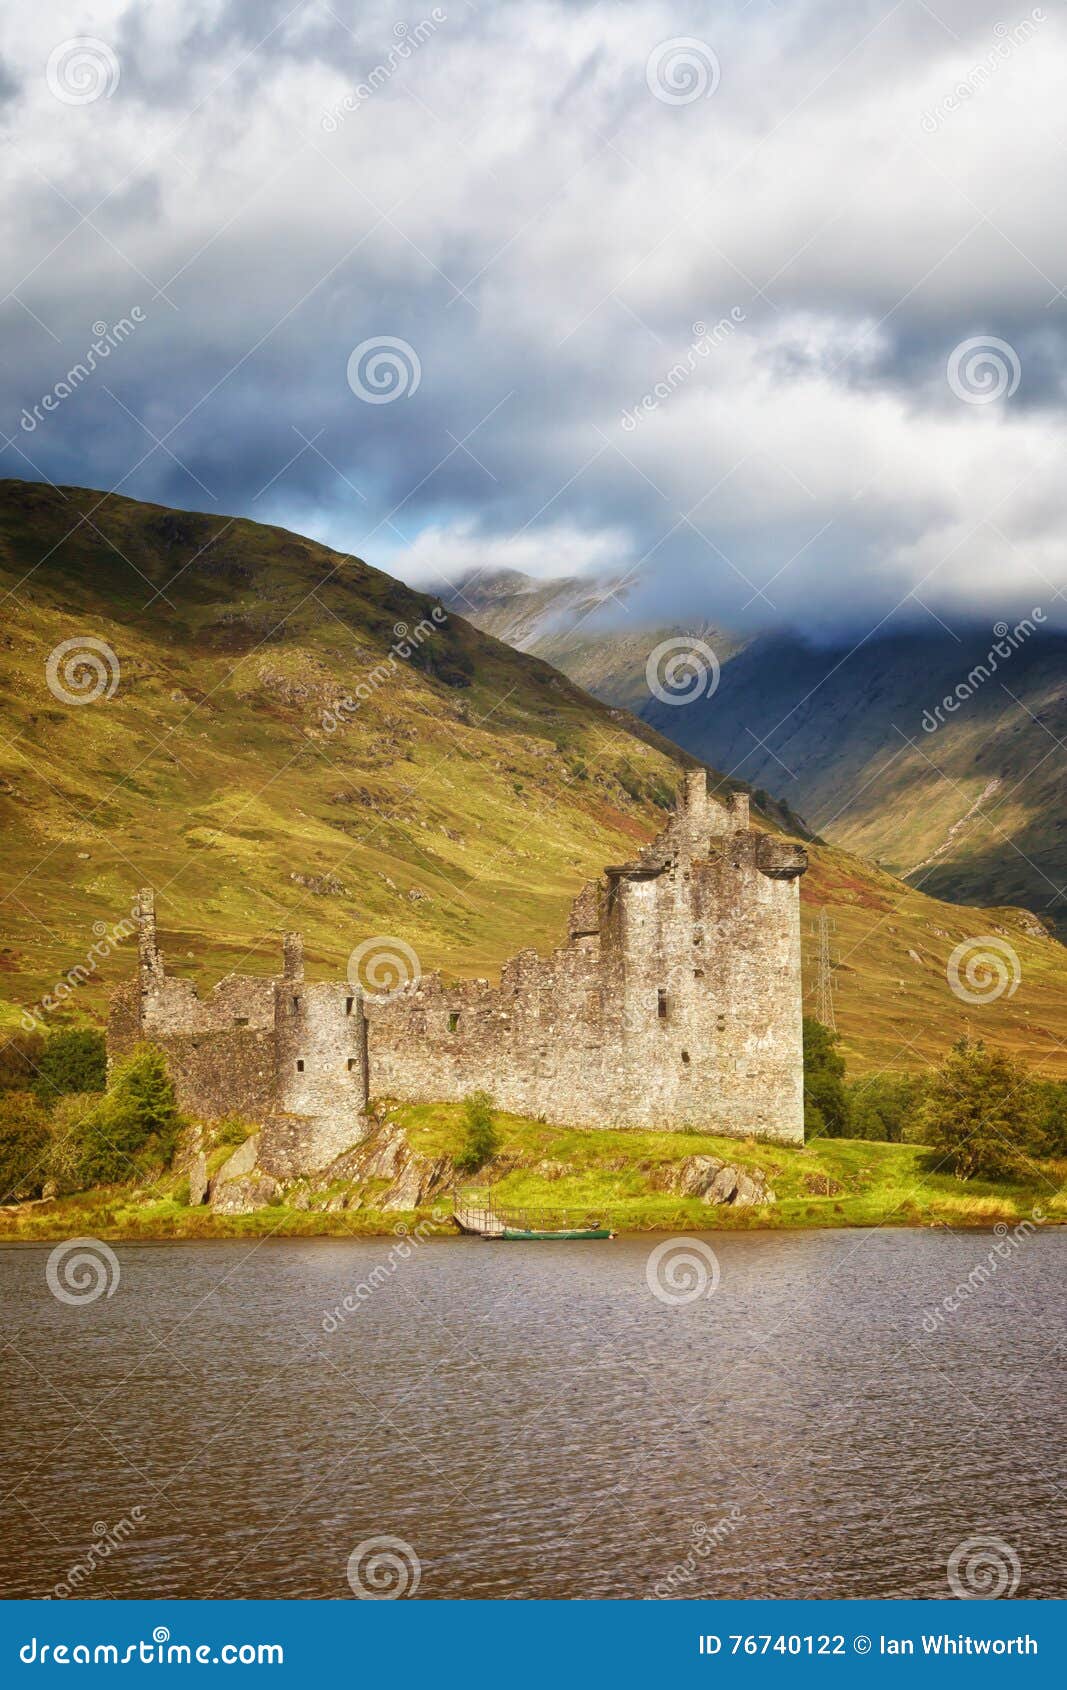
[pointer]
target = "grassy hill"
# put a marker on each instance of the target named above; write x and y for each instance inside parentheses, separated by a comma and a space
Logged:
(459, 807)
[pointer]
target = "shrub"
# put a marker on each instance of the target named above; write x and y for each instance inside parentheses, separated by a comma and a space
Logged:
(66, 1144)
(981, 1114)
(134, 1127)
(825, 1099)
(1051, 1101)
(20, 1055)
(481, 1141)
(73, 1060)
(885, 1106)
(23, 1146)
(231, 1130)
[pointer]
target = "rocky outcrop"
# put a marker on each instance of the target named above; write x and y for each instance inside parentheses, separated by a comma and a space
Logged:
(238, 1188)
(387, 1155)
(715, 1181)
(241, 1162)
(245, 1195)
(198, 1181)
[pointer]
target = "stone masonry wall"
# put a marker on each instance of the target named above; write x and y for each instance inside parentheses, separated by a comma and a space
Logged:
(675, 1004)
(684, 1010)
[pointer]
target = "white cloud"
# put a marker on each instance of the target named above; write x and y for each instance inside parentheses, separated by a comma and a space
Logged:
(515, 203)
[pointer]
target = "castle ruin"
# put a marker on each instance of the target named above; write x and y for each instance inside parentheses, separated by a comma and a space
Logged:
(674, 1005)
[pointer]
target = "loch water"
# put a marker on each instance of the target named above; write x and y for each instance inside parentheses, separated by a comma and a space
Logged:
(834, 1414)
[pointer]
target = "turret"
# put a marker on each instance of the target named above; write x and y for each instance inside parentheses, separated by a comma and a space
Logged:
(149, 960)
(293, 954)
(737, 805)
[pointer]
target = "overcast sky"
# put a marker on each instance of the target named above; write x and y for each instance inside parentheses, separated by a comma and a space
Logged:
(679, 289)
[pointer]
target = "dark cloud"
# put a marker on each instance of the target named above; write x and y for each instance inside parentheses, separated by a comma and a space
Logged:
(709, 342)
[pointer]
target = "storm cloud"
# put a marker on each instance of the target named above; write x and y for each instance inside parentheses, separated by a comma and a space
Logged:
(759, 305)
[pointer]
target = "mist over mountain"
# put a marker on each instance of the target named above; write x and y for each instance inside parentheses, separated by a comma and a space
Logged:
(935, 751)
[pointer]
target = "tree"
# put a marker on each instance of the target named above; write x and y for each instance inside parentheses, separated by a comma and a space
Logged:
(133, 1129)
(23, 1146)
(1051, 1098)
(981, 1114)
(825, 1099)
(481, 1141)
(20, 1054)
(885, 1106)
(73, 1060)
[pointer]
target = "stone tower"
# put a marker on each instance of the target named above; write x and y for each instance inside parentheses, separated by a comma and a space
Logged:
(675, 1004)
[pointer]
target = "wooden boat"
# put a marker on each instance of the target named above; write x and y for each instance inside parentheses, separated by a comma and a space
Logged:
(520, 1226)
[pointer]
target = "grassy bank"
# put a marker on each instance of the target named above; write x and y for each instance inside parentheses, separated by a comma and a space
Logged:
(616, 1176)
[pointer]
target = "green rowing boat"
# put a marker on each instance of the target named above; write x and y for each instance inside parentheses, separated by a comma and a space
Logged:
(482, 1221)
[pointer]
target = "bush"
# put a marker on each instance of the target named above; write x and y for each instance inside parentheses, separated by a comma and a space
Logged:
(1051, 1101)
(66, 1145)
(231, 1130)
(825, 1099)
(885, 1107)
(481, 1141)
(20, 1056)
(981, 1114)
(133, 1129)
(23, 1146)
(73, 1060)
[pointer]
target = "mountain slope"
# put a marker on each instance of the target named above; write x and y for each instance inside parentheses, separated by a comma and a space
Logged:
(457, 807)
(967, 802)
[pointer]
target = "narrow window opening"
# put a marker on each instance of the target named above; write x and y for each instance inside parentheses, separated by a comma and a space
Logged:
(685, 1059)
(453, 1021)
(698, 974)
(300, 1064)
(240, 1020)
(296, 1005)
(351, 1064)
(348, 1005)
(661, 1003)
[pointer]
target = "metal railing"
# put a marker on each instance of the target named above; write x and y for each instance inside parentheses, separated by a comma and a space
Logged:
(492, 1219)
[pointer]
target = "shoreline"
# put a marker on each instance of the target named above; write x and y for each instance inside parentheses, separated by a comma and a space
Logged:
(400, 1181)
(417, 1228)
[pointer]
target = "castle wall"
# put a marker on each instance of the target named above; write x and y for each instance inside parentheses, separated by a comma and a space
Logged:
(676, 1004)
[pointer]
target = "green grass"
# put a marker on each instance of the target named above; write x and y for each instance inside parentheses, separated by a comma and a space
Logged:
(609, 1175)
